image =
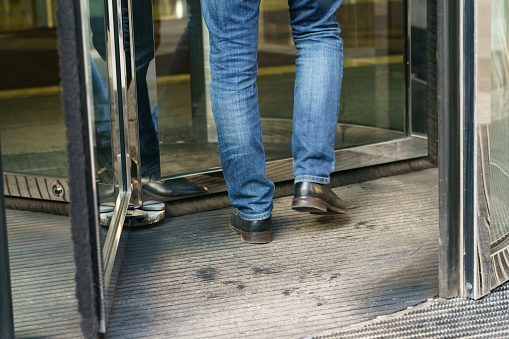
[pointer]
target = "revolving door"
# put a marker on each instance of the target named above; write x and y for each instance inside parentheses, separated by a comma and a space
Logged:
(148, 133)
(151, 135)
(162, 134)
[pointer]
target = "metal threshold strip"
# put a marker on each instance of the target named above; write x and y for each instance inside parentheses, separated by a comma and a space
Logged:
(346, 159)
(56, 189)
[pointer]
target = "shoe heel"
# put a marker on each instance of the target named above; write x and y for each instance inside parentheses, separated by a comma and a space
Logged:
(311, 205)
(257, 238)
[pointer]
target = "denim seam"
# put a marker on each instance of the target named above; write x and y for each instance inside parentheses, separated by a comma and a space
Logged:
(321, 179)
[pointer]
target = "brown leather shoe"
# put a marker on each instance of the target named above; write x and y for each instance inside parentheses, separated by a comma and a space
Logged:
(316, 198)
(252, 231)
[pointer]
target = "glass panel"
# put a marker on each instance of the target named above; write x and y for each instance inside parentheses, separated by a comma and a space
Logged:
(372, 99)
(373, 91)
(31, 123)
(101, 105)
(181, 88)
(499, 138)
(111, 178)
(33, 141)
(419, 66)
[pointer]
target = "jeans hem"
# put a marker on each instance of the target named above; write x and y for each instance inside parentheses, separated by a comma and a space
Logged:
(312, 178)
(255, 216)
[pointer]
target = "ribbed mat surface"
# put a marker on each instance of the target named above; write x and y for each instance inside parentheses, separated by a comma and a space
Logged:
(192, 277)
(455, 318)
(42, 276)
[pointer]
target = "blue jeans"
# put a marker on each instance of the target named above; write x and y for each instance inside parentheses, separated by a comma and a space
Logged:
(233, 34)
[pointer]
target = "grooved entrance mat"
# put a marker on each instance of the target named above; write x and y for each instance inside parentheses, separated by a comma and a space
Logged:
(192, 277)
(455, 318)
(42, 275)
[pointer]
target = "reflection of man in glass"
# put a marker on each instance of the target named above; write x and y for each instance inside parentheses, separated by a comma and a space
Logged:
(101, 101)
(233, 33)
(144, 54)
(143, 36)
(143, 39)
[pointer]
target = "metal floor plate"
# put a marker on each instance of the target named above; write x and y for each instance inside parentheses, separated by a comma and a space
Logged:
(192, 277)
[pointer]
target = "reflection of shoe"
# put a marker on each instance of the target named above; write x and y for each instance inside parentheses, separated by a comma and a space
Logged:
(106, 192)
(104, 165)
(317, 198)
(252, 231)
(175, 188)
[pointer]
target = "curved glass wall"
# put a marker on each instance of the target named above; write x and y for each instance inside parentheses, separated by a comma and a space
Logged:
(373, 104)
(373, 98)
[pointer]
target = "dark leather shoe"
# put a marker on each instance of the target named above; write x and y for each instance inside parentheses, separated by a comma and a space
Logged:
(252, 231)
(316, 198)
(174, 188)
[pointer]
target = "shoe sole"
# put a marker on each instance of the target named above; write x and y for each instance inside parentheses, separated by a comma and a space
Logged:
(315, 206)
(254, 238)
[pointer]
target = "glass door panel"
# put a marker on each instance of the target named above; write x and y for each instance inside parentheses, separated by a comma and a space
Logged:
(499, 156)
(31, 123)
(32, 128)
(499, 143)
(185, 127)
(108, 88)
(101, 117)
(492, 93)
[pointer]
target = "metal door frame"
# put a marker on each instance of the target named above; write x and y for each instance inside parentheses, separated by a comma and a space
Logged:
(468, 266)
(93, 280)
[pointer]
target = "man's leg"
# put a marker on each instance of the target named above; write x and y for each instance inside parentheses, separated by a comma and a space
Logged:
(233, 33)
(316, 105)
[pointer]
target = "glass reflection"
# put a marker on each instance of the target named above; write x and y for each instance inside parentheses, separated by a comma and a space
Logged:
(180, 83)
(101, 116)
(499, 138)
(31, 122)
(372, 99)
(143, 115)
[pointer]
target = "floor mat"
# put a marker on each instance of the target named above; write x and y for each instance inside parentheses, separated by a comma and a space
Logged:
(42, 276)
(192, 277)
(455, 318)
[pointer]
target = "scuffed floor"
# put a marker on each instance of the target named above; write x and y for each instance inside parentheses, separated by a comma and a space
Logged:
(192, 277)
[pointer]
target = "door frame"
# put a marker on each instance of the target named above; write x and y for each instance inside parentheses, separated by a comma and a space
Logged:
(468, 266)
